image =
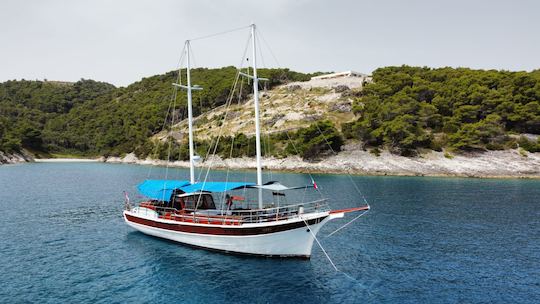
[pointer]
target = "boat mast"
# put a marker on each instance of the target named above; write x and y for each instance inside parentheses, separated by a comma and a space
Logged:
(190, 119)
(189, 88)
(256, 101)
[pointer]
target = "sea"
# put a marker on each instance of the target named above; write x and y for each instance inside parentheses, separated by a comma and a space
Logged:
(425, 240)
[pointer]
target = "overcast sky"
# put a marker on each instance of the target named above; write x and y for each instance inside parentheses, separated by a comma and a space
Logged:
(122, 41)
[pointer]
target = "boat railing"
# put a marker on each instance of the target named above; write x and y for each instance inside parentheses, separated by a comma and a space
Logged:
(242, 216)
(280, 212)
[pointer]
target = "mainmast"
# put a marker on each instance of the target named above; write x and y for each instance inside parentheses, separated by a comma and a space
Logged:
(189, 88)
(256, 102)
(257, 124)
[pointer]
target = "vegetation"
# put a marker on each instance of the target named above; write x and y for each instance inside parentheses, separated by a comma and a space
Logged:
(318, 139)
(27, 106)
(311, 142)
(94, 118)
(407, 108)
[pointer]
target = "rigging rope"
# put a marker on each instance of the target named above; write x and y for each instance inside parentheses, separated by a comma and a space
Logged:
(325, 253)
(322, 248)
(348, 174)
(173, 98)
(266, 135)
(350, 177)
(347, 224)
(167, 136)
(268, 47)
(194, 66)
(260, 52)
(220, 33)
(217, 141)
(223, 194)
(326, 141)
(318, 188)
(227, 106)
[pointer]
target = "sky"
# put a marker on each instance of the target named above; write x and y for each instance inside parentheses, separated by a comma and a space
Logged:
(122, 41)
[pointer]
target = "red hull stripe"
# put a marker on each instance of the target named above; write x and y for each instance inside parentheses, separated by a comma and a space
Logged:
(350, 210)
(220, 230)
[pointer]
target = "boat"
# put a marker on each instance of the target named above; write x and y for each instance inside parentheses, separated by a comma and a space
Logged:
(216, 215)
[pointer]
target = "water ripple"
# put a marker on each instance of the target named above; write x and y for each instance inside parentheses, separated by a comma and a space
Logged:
(426, 240)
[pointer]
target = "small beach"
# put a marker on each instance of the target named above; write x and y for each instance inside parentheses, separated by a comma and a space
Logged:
(66, 160)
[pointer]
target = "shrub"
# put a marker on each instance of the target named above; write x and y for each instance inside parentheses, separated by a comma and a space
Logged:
(529, 145)
(375, 151)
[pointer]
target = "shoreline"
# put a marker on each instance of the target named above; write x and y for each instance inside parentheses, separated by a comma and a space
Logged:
(67, 160)
(22, 156)
(491, 164)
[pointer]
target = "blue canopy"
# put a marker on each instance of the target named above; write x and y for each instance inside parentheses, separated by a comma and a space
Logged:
(163, 189)
(160, 189)
(215, 186)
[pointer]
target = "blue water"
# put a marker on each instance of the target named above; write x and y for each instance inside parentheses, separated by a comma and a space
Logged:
(426, 240)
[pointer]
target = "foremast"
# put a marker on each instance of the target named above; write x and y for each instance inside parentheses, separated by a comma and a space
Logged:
(190, 88)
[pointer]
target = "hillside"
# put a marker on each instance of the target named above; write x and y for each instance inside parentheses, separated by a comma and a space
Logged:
(406, 111)
(90, 118)
(410, 108)
(287, 107)
(27, 106)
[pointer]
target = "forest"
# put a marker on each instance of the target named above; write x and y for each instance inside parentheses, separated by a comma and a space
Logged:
(90, 118)
(405, 110)
(409, 108)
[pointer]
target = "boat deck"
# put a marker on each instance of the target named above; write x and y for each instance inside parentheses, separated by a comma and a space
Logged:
(237, 217)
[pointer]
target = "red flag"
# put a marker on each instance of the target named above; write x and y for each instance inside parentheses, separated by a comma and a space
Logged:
(314, 184)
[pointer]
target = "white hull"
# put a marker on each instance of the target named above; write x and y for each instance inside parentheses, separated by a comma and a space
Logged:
(296, 242)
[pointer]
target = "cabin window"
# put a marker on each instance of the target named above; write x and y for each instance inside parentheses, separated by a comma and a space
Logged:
(177, 203)
(205, 202)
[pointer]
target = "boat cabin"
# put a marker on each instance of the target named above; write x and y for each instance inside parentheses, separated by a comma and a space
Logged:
(193, 201)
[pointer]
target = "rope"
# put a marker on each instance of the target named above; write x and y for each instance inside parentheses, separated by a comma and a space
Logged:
(260, 52)
(215, 147)
(227, 106)
(223, 195)
(240, 90)
(326, 254)
(194, 66)
(298, 152)
(181, 117)
(206, 157)
(335, 153)
(348, 174)
(192, 55)
(322, 248)
(170, 141)
(267, 46)
(347, 224)
(173, 98)
(220, 33)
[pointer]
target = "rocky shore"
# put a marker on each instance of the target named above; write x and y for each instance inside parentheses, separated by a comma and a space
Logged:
(491, 164)
(13, 158)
